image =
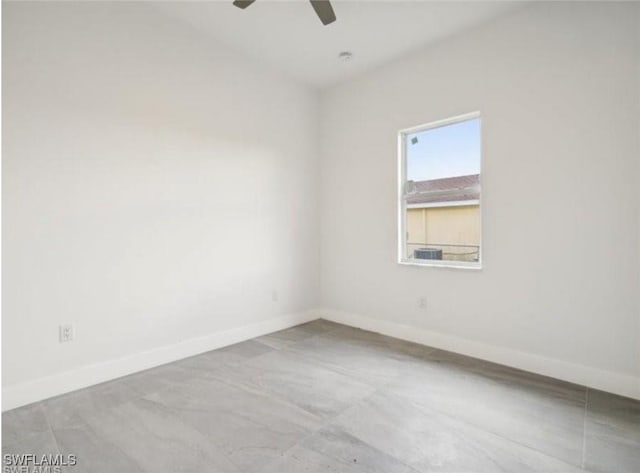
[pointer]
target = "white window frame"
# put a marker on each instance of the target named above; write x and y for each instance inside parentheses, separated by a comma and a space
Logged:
(402, 203)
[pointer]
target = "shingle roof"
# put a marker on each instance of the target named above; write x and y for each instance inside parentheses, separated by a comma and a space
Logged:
(446, 184)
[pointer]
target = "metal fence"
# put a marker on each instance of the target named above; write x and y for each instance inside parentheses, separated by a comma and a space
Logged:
(450, 252)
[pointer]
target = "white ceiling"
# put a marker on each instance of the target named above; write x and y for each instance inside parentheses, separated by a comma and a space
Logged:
(289, 36)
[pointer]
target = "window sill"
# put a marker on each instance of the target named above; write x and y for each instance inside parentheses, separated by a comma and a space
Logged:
(441, 264)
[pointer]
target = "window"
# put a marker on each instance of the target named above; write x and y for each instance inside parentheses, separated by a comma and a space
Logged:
(439, 193)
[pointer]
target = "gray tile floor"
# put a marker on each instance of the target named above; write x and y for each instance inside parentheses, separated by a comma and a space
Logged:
(322, 397)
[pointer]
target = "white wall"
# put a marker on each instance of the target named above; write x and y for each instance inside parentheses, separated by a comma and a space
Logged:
(558, 87)
(157, 188)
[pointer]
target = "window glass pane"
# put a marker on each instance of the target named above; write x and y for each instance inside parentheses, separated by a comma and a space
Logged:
(442, 206)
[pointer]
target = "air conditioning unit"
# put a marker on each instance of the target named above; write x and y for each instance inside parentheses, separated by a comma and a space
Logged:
(427, 253)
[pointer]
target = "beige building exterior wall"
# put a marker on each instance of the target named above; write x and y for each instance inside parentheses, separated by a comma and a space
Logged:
(443, 225)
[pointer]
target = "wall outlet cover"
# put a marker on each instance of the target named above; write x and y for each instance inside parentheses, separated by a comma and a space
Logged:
(66, 333)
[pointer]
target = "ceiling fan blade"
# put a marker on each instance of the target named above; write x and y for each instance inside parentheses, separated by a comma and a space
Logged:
(324, 10)
(243, 3)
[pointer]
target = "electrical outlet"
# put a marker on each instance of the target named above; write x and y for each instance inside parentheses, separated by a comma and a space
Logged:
(422, 303)
(274, 296)
(66, 333)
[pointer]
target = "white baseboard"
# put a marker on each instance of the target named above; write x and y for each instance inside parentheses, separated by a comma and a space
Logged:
(616, 383)
(60, 383)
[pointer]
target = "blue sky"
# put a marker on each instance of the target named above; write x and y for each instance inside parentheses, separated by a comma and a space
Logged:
(447, 151)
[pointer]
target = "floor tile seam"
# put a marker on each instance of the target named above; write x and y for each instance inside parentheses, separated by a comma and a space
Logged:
(482, 429)
(254, 339)
(411, 358)
(578, 387)
(137, 397)
(252, 389)
(311, 336)
(256, 390)
(327, 365)
(575, 396)
(543, 398)
(330, 419)
(33, 433)
(546, 396)
(246, 387)
(339, 326)
(171, 384)
(319, 362)
(543, 395)
(197, 374)
(29, 437)
(616, 439)
(408, 467)
(256, 357)
(421, 357)
(376, 390)
(49, 427)
(327, 421)
(285, 344)
(238, 467)
(87, 425)
(252, 421)
(174, 418)
(281, 399)
(86, 422)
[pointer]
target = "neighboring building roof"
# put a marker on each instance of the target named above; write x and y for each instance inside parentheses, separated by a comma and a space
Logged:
(446, 184)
